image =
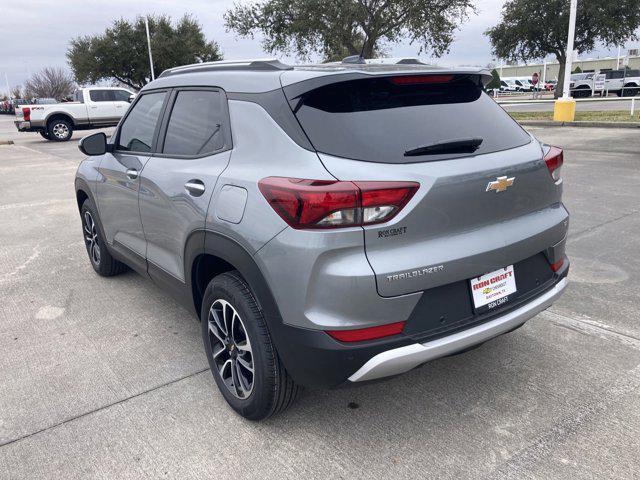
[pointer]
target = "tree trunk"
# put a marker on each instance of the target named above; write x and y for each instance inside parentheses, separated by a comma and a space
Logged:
(369, 48)
(559, 86)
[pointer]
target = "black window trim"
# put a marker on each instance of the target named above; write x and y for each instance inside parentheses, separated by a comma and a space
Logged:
(225, 127)
(154, 141)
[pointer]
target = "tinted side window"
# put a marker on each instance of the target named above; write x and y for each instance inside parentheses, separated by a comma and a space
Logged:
(100, 96)
(120, 95)
(78, 96)
(136, 133)
(195, 125)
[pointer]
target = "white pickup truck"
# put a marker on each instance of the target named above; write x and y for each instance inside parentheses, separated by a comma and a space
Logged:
(581, 85)
(624, 83)
(91, 108)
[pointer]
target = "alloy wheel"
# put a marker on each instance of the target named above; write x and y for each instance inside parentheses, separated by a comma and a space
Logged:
(231, 348)
(61, 130)
(91, 238)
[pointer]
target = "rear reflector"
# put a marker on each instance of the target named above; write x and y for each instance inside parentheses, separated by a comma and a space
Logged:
(554, 160)
(26, 114)
(370, 333)
(420, 79)
(558, 265)
(322, 204)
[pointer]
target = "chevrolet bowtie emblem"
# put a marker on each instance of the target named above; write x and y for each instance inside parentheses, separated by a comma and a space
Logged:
(500, 184)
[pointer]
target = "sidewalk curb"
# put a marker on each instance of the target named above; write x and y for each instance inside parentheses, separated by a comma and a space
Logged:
(6, 142)
(550, 123)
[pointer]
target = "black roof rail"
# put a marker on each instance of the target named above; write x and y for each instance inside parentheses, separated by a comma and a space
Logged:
(268, 64)
(358, 60)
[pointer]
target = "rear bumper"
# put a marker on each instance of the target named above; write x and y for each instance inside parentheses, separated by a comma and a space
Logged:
(26, 126)
(403, 359)
(316, 360)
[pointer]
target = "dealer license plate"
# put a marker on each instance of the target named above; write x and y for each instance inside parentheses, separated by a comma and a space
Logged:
(492, 290)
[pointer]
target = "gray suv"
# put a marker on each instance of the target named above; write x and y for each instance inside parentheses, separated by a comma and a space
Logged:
(328, 224)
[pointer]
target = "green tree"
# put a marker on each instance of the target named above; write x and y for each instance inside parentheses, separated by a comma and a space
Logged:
(495, 80)
(120, 53)
(338, 28)
(533, 30)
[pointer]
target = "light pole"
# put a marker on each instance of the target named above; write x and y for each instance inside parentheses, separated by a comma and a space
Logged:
(564, 109)
(146, 25)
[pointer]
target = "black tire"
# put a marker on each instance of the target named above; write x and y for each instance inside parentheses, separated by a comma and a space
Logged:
(630, 91)
(101, 260)
(272, 390)
(580, 93)
(59, 130)
(44, 134)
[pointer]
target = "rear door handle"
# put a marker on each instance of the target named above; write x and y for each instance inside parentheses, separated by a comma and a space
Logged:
(132, 173)
(195, 187)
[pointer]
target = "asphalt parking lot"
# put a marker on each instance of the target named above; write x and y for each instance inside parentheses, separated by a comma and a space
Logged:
(106, 378)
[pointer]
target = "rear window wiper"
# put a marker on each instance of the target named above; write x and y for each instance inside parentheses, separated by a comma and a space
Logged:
(455, 145)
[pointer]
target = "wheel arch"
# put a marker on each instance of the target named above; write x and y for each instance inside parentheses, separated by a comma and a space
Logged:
(209, 253)
(83, 192)
(59, 116)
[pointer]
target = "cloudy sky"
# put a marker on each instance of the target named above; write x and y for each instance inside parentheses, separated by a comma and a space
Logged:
(39, 31)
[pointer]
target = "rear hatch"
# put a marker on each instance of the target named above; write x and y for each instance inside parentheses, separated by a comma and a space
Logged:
(486, 198)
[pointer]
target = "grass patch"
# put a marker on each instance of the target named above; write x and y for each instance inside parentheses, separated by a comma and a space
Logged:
(608, 116)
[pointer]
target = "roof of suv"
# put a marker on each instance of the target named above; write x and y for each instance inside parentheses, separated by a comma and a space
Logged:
(263, 75)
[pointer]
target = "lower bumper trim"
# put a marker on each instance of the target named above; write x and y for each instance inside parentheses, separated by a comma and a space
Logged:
(403, 359)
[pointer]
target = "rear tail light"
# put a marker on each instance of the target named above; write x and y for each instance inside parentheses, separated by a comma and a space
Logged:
(557, 265)
(421, 79)
(370, 333)
(26, 113)
(321, 204)
(554, 160)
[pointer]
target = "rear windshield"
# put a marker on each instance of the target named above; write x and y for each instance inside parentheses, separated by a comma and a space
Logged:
(377, 120)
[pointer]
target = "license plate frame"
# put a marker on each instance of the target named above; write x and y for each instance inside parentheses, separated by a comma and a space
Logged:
(493, 289)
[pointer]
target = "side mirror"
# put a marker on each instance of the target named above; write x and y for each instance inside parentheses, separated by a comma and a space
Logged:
(132, 97)
(95, 144)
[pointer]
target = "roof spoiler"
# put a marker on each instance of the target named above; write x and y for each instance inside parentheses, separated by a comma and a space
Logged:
(294, 90)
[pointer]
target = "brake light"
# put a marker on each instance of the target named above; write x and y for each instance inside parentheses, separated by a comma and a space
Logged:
(26, 113)
(321, 204)
(370, 333)
(554, 160)
(420, 79)
(557, 265)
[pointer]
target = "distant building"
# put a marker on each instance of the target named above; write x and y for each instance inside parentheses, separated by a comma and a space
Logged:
(586, 65)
